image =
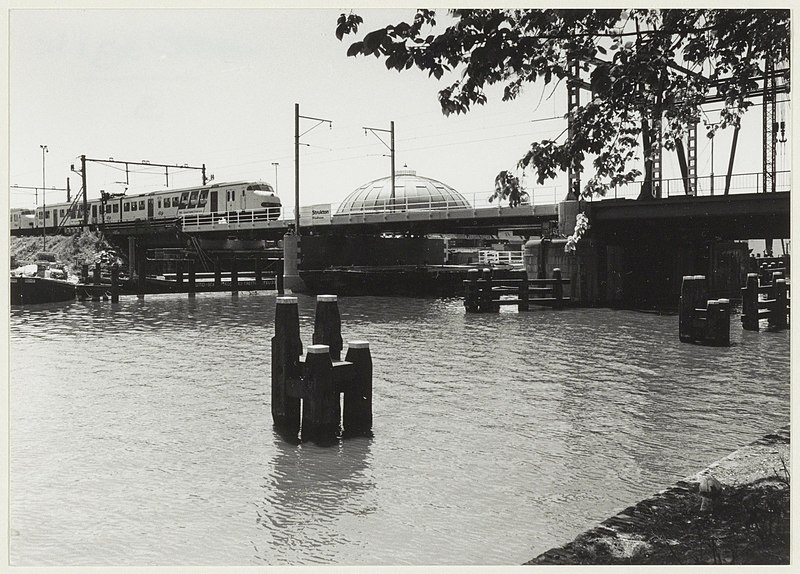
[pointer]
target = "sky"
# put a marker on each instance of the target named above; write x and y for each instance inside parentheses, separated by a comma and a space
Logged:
(219, 86)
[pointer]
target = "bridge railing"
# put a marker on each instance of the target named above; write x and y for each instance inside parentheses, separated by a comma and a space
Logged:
(278, 217)
(708, 186)
(228, 219)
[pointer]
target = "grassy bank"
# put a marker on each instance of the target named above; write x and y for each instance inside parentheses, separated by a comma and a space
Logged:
(71, 250)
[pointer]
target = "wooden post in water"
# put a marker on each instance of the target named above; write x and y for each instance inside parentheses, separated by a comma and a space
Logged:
(484, 292)
(487, 304)
(321, 407)
(97, 281)
(750, 303)
(357, 416)
(234, 277)
(257, 270)
(693, 296)
(115, 283)
(713, 323)
(722, 335)
(141, 267)
(179, 273)
(471, 291)
(286, 350)
(279, 276)
(777, 316)
(85, 273)
(217, 273)
(524, 294)
(192, 277)
(558, 289)
(328, 325)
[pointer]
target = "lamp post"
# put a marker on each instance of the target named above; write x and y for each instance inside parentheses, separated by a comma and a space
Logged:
(276, 164)
(44, 202)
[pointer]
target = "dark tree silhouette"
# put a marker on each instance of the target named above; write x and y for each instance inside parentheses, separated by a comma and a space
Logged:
(641, 65)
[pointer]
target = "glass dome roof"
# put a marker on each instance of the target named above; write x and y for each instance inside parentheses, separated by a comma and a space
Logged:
(411, 192)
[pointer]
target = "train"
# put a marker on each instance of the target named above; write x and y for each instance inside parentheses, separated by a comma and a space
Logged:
(22, 218)
(257, 197)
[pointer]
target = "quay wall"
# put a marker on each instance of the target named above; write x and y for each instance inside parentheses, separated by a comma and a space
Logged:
(639, 275)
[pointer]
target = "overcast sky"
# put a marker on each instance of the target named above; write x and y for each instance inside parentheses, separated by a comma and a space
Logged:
(219, 87)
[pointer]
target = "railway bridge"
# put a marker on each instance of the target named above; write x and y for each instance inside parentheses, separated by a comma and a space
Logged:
(747, 212)
(631, 245)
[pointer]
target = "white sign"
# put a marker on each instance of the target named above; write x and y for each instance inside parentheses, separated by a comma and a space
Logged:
(319, 214)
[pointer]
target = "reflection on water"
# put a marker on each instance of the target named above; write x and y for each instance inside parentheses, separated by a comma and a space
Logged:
(141, 432)
(308, 492)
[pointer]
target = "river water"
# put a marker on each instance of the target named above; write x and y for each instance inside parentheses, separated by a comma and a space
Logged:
(141, 433)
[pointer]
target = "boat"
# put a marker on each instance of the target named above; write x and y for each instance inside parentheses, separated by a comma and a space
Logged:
(34, 290)
(41, 283)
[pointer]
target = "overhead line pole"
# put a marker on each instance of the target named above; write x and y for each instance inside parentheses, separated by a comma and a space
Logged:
(297, 136)
(44, 202)
(390, 131)
(166, 167)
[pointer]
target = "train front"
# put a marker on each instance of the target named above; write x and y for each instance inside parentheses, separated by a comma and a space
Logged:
(262, 195)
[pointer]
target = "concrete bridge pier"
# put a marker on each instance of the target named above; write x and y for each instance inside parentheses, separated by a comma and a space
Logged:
(291, 274)
(567, 215)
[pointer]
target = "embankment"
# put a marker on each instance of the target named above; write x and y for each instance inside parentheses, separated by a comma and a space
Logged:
(72, 250)
(748, 522)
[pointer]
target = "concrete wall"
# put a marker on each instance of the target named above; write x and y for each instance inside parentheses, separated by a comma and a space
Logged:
(322, 252)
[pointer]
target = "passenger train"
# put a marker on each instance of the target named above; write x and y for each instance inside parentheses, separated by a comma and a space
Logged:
(224, 198)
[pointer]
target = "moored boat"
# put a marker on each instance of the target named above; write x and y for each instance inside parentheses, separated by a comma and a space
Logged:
(35, 290)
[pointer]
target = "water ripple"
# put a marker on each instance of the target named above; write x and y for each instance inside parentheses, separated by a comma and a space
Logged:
(141, 431)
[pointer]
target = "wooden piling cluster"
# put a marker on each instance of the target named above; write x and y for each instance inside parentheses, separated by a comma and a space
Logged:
(766, 266)
(306, 390)
(485, 294)
(765, 298)
(702, 320)
(97, 287)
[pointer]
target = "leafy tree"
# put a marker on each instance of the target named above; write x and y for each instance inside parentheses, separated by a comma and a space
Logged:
(642, 66)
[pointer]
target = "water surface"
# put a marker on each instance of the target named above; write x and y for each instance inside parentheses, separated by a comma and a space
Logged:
(141, 432)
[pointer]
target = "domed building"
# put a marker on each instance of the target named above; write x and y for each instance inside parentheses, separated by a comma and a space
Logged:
(411, 192)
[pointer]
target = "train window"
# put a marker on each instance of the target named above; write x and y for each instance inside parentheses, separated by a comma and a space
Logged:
(133, 206)
(201, 202)
(141, 205)
(126, 206)
(115, 208)
(233, 195)
(184, 200)
(61, 213)
(159, 204)
(193, 199)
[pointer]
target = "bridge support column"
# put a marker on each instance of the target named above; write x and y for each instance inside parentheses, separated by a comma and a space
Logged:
(132, 269)
(567, 216)
(291, 273)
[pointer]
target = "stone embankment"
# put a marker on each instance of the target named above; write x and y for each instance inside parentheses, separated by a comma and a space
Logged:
(747, 522)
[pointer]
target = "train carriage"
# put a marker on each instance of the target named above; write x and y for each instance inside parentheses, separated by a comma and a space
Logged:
(223, 198)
